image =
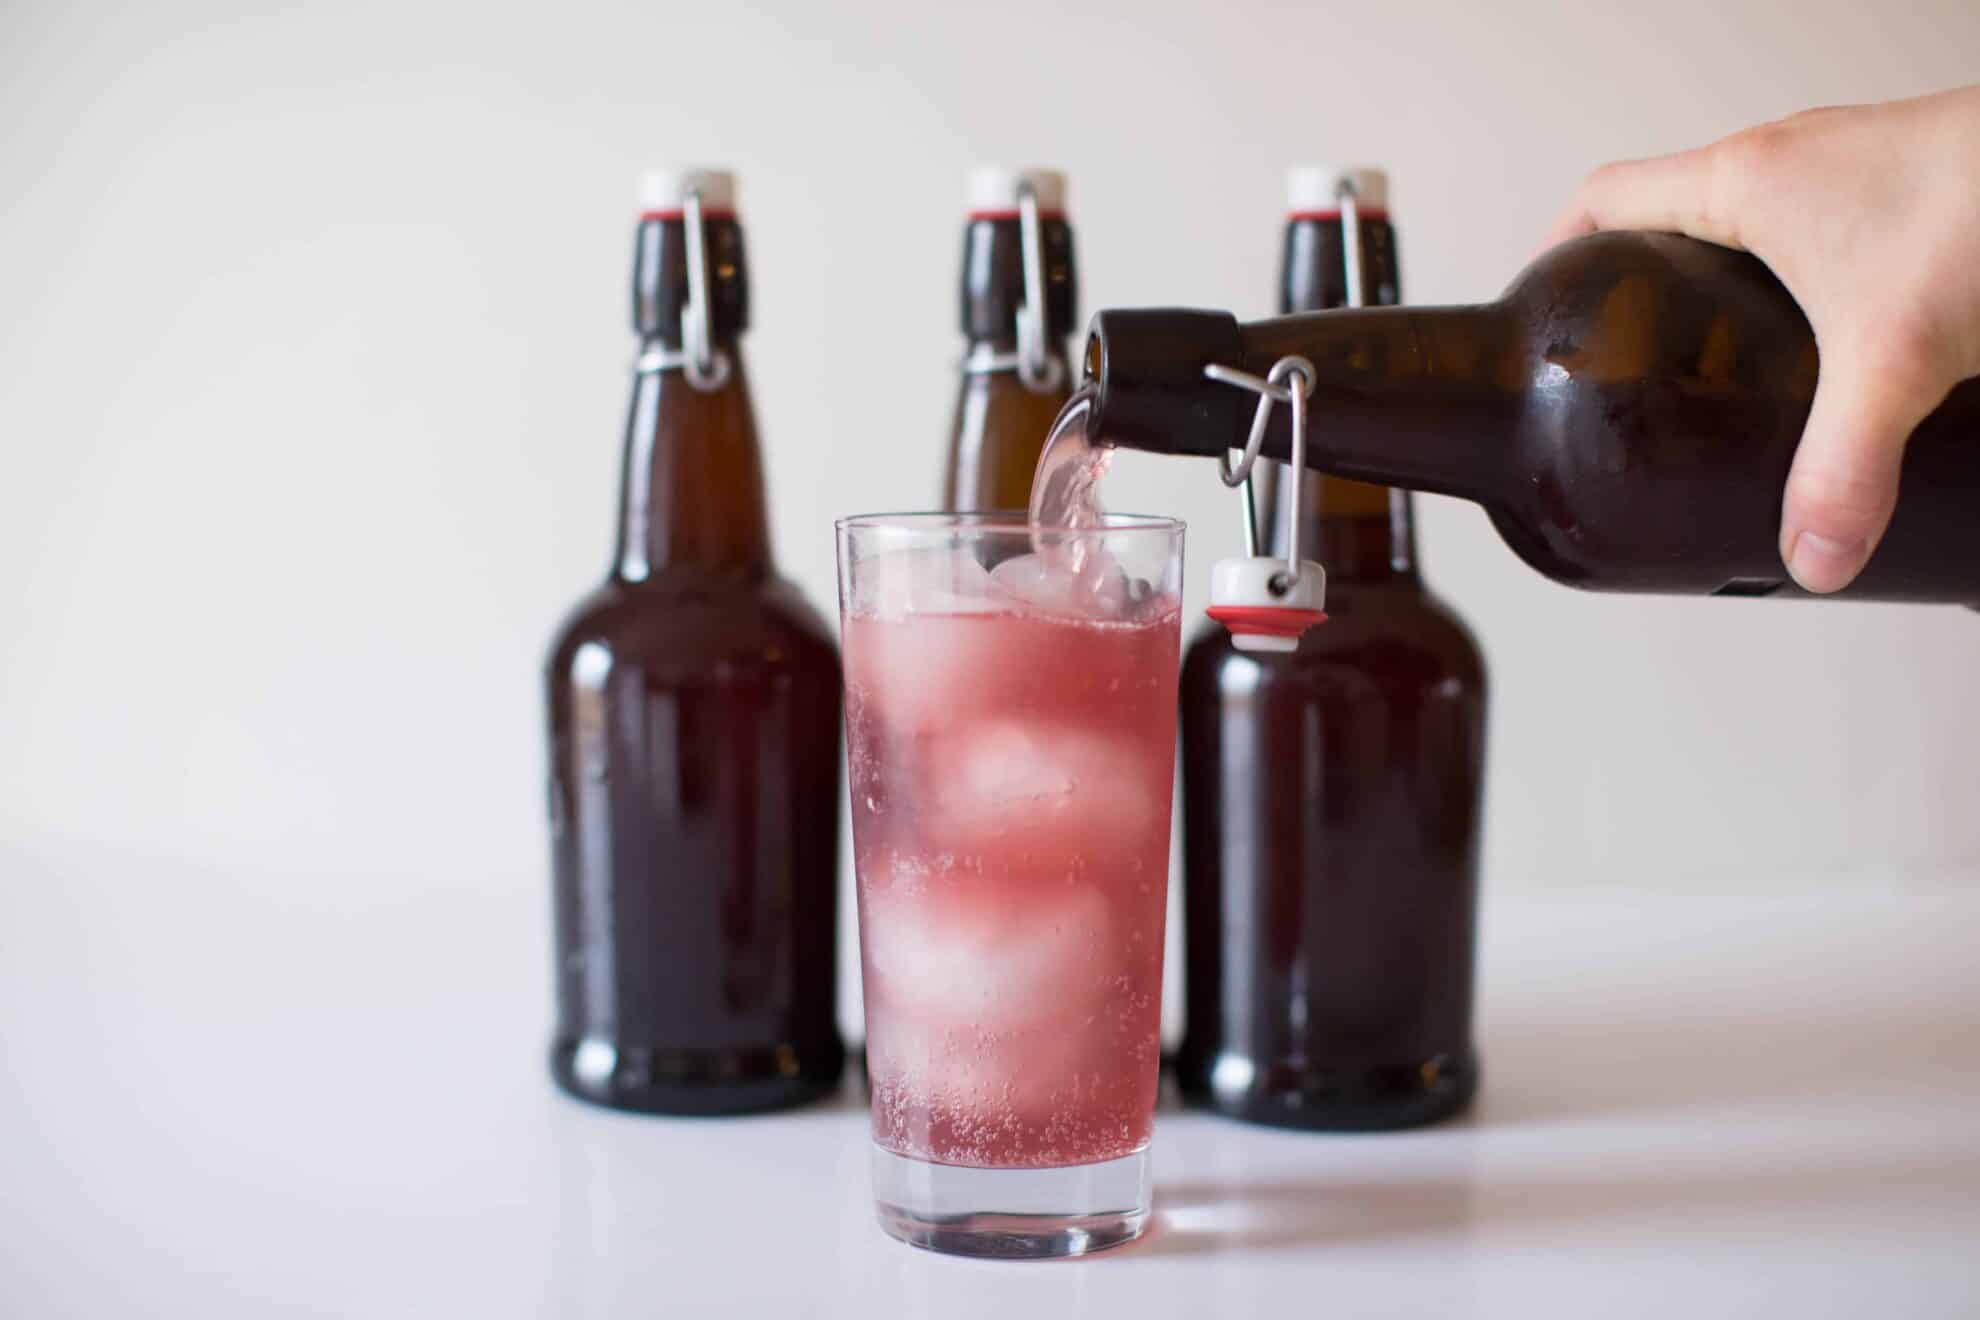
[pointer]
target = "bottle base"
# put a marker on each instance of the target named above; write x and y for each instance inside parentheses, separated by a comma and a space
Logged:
(1376, 1100)
(692, 1083)
(1012, 1214)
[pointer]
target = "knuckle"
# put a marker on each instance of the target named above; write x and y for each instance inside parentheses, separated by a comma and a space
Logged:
(1603, 176)
(1602, 182)
(1741, 178)
(1819, 116)
(1747, 160)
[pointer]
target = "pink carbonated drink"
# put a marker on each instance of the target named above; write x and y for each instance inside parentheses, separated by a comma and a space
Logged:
(1011, 737)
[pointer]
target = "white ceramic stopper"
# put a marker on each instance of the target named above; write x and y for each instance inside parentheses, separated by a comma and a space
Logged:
(1260, 619)
(1317, 188)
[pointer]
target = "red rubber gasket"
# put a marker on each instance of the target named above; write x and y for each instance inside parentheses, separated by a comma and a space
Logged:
(1266, 620)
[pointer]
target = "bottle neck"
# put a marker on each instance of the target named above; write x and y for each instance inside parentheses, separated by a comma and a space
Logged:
(999, 428)
(1367, 533)
(977, 348)
(990, 371)
(1360, 532)
(1003, 412)
(1428, 398)
(1313, 263)
(1422, 398)
(692, 488)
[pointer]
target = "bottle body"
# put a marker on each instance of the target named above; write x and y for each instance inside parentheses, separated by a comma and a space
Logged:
(1627, 415)
(693, 706)
(694, 809)
(1331, 800)
(1017, 246)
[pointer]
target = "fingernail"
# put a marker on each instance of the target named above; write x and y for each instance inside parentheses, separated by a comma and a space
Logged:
(1820, 563)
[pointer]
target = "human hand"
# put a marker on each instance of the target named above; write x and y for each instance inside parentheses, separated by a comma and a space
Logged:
(1870, 215)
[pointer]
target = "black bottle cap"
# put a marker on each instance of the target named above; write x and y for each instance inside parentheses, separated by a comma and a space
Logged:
(993, 253)
(660, 279)
(993, 276)
(1145, 371)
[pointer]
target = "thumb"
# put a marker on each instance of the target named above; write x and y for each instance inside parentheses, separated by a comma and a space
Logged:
(1844, 482)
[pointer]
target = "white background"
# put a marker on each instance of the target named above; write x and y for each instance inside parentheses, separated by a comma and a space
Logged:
(313, 363)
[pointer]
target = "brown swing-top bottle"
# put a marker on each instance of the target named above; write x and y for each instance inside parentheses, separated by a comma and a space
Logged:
(1626, 415)
(694, 740)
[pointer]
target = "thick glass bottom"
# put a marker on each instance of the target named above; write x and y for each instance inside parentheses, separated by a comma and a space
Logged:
(1012, 1214)
(1372, 1100)
(695, 1082)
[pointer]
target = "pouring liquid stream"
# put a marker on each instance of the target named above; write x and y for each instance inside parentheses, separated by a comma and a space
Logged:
(1065, 489)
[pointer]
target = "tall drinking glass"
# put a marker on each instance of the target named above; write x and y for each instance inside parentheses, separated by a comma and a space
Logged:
(1011, 726)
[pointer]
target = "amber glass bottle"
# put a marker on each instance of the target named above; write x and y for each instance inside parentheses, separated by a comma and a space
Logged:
(694, 734)
(1014, 377)
(1626, 415)
(1331, 801)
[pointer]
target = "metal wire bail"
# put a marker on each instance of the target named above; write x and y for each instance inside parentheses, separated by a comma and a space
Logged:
(1038, 369)
(1274, 389)
(706, 366)
(1350, 206)
(1270, 390)
(1303, 371)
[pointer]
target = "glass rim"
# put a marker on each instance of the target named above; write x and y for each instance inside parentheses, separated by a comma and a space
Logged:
(991, 520)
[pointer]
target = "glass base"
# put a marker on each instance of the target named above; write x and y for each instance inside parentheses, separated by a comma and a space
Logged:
(1012, 1214)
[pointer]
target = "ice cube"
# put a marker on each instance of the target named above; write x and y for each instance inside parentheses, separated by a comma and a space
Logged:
(1007, 765)
(903, 674)
(956, 950)
(1091, 585)
(1055, 783)
(929, 580)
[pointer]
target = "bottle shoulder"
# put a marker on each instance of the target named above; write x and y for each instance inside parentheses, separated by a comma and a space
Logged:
(685, 624)
(1615, 309)
(1451, 629)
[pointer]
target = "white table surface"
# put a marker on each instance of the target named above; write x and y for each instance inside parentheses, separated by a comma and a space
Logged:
(260, 1094)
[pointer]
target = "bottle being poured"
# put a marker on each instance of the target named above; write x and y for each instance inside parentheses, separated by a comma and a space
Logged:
(1626, 414)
